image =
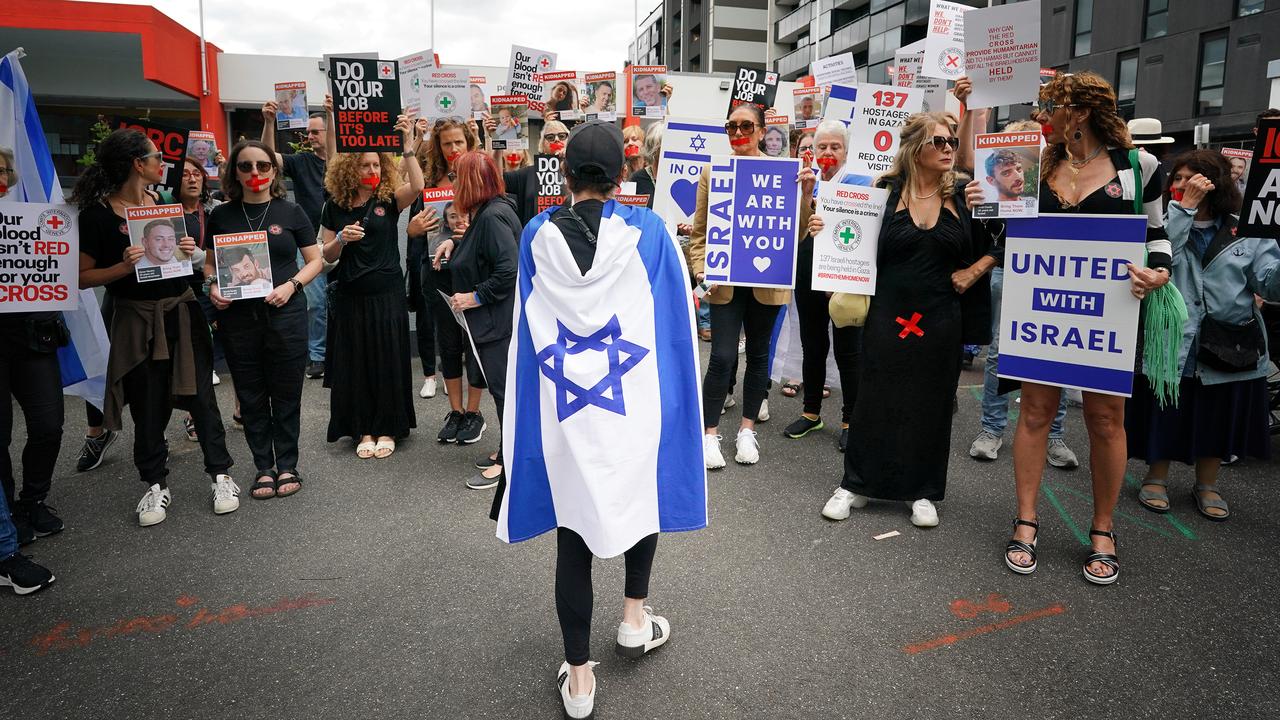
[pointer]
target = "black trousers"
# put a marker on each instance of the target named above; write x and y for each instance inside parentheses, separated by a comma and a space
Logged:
(267, 353)
(147, 391)
(35, 381)
(815, 318)
(455, 351)
(574, 595)
(423, 318)
(742, 313)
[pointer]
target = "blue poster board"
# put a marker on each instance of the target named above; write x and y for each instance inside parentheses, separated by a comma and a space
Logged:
(753, 217)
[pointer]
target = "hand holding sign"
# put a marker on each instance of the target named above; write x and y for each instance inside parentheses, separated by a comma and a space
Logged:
(132, 255)
(352, 233)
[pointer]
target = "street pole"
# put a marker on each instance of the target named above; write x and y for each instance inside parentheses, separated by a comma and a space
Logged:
(204, 59)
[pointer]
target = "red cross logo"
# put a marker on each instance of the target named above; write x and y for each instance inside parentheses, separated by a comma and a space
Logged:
(386, 69)
(910, 326)
(952, 61)
(545, 63)
(54, 222)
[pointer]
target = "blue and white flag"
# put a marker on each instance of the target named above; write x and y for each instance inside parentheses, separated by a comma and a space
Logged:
(602, 428)
(687, 148)
(84, 360)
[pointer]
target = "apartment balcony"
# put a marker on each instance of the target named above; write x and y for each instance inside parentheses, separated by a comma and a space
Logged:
(851, 38)
(795, 63)
(790, 26)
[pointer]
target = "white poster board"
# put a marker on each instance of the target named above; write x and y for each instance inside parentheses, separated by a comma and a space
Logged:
(844, 253)
(1002, 54)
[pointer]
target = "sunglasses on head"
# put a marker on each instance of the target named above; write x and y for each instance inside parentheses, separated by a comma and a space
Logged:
(247, 166)
(555, 137)
(746, 127)
(940, 143)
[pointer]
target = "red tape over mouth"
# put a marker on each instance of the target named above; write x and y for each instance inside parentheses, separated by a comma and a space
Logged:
(631, 151)
(826, 162)
(4, 189)
(739, 141)
(452, 158)
(513, 159)
(371, 180)
(256, 182)
(556, 147)
(1046, 130)
(1177, 194)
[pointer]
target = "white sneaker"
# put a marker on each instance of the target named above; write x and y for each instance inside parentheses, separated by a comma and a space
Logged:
(742, 345)
(226, 495)
(763, 415)
(748, 448)
(151, 508)
(217, 380)
(728, 403)
(837, 508)
(576, 707)
(634, 642)
(923, 513)
(711, 454)
(428, 388)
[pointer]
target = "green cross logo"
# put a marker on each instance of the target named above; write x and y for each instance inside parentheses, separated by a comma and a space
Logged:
(848, 236)
(445, 102)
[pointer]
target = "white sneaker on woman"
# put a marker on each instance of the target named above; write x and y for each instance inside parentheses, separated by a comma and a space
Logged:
(711, 454)
(226, 495)
(151, 508)
(837, 508)
(652, 634)
(923, 513)
(428, 388)
(575, 707)
(748, 448)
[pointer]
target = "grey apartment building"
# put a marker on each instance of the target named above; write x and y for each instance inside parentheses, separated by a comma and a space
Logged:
(706, 36)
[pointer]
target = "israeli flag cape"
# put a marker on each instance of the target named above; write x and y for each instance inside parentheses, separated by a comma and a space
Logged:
(601, 431)
(84, 360)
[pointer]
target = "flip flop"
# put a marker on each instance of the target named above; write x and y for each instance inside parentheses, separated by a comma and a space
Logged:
(384, 448)
(1147, 496)
(293, 479)
(790, 389)
(365, 450)
(1202, 503)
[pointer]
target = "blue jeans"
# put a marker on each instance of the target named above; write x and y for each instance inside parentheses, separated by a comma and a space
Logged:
(8, 533)
(317, 316)
(704, 315)
(995, 408)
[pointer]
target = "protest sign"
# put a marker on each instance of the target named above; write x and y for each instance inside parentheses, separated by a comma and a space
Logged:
(39, 257)
(874, 130)
(909, 61)
(808, 107)
(632, 200)
(753, 215)
(644, 91)
(842, 102)
(157, 229)
(446, 94)
(366, 103)
(835, 70)
(1239, 160)
(550, 181)
(481, 91)
(1007, 166)
(1067, 315)
(602, 96)
(291, 105)
(944, 41)
(1002, 54)
(411, 69)
(525, 63)
(1260, 213)
(753, 87)
(844, 253)
(512, 115)
(203, 147)
(560, 93)
(243, 263)
(441, 200)
(170, 141)
(687, 148)
(777, 135)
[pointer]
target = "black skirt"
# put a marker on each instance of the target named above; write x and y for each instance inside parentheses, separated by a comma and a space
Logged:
(367, 365)
(1210, 421)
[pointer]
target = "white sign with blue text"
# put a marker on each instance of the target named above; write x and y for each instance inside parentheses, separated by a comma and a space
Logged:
(753, 214)
(687, 147)
(1067, 317)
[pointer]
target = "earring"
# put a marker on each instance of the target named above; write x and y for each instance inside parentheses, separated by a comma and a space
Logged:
(1077, 135)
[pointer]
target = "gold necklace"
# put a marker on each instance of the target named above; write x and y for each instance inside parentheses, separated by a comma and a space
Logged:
(1075, 166)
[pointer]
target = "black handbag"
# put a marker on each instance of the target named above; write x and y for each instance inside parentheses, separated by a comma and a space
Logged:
(46, 335)
(1229, 347)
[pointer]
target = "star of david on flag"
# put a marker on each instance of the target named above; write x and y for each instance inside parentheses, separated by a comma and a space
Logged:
(697, 143)
(607, 393)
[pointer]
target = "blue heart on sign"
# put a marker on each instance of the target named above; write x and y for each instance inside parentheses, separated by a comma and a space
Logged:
(685, 193)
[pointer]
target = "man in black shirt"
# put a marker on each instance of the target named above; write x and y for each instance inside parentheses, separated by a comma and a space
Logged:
(306, 169)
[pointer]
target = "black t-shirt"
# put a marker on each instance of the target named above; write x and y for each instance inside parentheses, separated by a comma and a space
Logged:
(372, 264)
(583, 249)
(307, 172)
(288, 230)
(644, 184)
(103, 237)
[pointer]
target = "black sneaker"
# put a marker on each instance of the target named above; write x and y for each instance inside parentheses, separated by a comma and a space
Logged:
(40, 517)
(480, 482)
(94, 449)
(802, 426)
(25, 577)
(315, 369)
(471, 429)
(844, 438)
(485, 462)
(22, 526)
(449, 433)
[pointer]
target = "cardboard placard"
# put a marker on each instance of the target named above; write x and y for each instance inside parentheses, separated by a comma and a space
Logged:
(752, 86)
(551, 188)
(512, 114)
(560, 93)
(835, 70)
(411, 69)
(39, 257)
(602, 96)
(1007, 167)
(1239, 160)
(1002, 54)
(291, 105)
(243, 262)
(777, 136)
(481, 90)
(525, 63)
(169, 140)
(632, 200)
(203, 146)
(446, 94)
(844, 253)
(157, 229)
(687, 149)
(1260, 213)
(366, 103)
(908, 63)
(874, 131)
(944, 41)
(644, 91)
(753, 217)
(807, 102)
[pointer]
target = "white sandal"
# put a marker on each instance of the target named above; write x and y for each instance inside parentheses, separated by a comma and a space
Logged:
(365, 450)
(388, 445)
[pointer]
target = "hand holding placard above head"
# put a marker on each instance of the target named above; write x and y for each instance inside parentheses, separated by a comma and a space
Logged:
(1260, 213)
(366, 95)
(1002, 54)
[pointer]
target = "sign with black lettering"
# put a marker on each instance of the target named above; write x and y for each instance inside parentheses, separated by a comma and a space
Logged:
(550, 181)
(753, 87)
(366, 103)
(1260, 213)
(169, 140)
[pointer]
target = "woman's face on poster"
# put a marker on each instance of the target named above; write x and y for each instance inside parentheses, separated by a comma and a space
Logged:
(774, 143)
(477, 98)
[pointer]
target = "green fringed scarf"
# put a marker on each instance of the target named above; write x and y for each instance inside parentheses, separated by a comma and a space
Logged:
(1164, 315)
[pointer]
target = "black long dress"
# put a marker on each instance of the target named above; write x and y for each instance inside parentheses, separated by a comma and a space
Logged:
(900, 437)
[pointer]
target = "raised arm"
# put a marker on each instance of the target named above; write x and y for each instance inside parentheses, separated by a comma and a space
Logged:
(408, 192)
(269, 129)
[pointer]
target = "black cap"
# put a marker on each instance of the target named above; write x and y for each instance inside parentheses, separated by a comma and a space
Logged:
(594, 153)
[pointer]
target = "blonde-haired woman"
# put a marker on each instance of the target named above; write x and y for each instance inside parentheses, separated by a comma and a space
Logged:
(368, 365)
(633, 148)
(931, 298)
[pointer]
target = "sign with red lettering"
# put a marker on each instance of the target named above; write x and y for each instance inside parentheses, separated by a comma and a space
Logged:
(366, 103)
(1002, 54)
(944, 40)
(39, 257)
(1260, 213)
(1007, 167)
(158, 230)
(169, 140)
(844, 253)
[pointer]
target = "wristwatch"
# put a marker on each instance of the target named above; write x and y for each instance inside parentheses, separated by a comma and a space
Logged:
(297, 286)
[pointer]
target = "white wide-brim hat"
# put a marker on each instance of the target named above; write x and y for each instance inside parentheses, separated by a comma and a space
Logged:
(1148, 131)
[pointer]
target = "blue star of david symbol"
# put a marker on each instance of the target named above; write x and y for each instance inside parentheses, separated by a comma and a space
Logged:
(697, 142)
(607, 393)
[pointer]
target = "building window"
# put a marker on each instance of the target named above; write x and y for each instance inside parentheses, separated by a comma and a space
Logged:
(1213, 67)
(1084, 27)
(1157, 19)
(1249, 7)
(1127, 84)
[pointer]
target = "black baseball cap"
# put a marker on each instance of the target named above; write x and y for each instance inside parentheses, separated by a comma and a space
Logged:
(594, 152)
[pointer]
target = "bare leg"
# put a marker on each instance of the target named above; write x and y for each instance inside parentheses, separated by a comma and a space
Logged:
(633, 612)
(473, 398)
(1108, 453)
(1030, 441)
(1158, 470)
(1207, 474)
(453, 388)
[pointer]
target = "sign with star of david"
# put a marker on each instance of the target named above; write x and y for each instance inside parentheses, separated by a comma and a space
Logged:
(606, 393)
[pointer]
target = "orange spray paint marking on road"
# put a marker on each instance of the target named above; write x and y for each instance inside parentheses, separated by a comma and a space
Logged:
(953, 638)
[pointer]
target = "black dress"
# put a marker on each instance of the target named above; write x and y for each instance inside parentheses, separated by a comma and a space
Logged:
(900, 437)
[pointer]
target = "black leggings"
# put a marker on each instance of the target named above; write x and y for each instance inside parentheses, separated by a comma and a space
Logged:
(35, 381)
(815, 317)
(455, 351)
(574, 594)
(424, 324)
(742, 313)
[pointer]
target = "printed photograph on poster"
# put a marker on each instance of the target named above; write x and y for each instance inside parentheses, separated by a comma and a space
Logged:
(835, 70)
(366, 103)
(687, 148)
(1260, 212)
(1002, 54)
(291, 106)
(551, 187)
(807, 102)
(170, 141)
(560, 94)
(512, 115)
(39, 255)
(480, 95)
(777, 136)
(1239, 160)
(243, 263)
(908, 61)
(644, 91)
(526, 63)
(203, 147)
(1007, 167)
(944, 40)
(874, 129)
(446, 94)
(844, 253)
(602, 96)
(441, 201)
(753, 86)
(157, 229)
(753, 216)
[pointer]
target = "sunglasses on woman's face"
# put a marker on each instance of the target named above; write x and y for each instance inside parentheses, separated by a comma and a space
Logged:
(746, 127)
(1049, 107)
(157, 154)
(192, 174)
(247, 166)
(556, 137)
(940, 143)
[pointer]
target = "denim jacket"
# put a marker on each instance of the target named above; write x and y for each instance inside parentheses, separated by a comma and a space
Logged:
(1222, 284)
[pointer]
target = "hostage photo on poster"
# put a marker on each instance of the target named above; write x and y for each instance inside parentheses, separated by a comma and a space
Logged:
(1007, 167)
(244, 265)
(602, 96)
(511, 112)
(291, 105)
(157, 229)
(366, 103)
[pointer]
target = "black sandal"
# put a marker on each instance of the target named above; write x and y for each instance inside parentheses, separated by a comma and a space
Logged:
(261, 484)
(1016, 545)
(294, 477)
(1108, 559)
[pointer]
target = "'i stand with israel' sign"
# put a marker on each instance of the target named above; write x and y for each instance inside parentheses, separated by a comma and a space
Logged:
(753, 213)
(1067, 316)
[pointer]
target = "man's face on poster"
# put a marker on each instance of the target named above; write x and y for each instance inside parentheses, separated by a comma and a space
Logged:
(647, 90)
(160, 244)
(806, 108)
(1008, 180)
(1238, 167)
(245, 271)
